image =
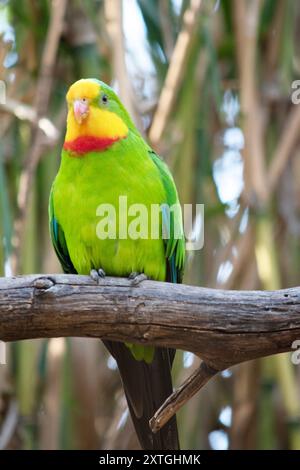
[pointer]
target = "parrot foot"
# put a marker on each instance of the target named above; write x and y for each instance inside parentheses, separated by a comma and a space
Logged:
(137, 278)
(97, 274)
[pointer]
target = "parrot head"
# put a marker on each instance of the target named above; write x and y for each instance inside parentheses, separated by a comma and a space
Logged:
(96, 117)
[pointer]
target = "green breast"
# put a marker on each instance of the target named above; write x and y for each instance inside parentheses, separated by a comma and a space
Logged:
(84, 184)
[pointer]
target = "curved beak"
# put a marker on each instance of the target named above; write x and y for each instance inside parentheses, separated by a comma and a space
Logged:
(81, 110)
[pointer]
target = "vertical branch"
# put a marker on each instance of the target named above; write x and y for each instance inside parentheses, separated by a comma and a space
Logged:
(114, 22)
(245, 247)
(3, 51)
(166, 27)
(275, 38)
(85, 371)
(289, 138)
(175, 71)
(49, 420)
(246, 391)
(42, 96)
(247, 15)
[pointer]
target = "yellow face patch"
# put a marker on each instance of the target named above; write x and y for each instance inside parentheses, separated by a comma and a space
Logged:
(83, 89)
(99, 122)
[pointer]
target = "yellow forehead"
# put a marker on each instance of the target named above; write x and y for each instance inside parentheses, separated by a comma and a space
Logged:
(83, 89)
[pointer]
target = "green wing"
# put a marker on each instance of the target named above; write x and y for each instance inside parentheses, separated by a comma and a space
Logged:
(175, 245)
(59, 241)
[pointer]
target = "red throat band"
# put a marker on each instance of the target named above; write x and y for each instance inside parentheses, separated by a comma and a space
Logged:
(85, 144)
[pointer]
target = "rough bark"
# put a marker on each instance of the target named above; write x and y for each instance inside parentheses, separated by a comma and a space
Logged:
(222, 327)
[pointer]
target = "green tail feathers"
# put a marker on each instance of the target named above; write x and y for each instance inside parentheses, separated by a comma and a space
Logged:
(141, 353)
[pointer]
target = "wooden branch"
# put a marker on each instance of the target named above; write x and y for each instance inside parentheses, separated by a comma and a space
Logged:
(165, 19)
(175, 72)
(287, 142)
(246, 21)
(24, 112)
(114, 25)
(222, 327)
(185, 392)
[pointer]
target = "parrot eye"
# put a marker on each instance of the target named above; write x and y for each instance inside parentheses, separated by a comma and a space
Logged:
(104, 99)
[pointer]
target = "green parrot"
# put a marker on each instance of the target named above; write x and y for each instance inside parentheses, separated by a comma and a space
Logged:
(104, 159)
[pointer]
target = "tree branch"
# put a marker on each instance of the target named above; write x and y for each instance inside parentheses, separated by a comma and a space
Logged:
(175, 71)
(246, 19)
(222, 327)
(185, 392)
(284, 149)
(114, 25)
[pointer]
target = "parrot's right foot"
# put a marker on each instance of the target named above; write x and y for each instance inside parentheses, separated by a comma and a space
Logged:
(137, 278)
(97, 274)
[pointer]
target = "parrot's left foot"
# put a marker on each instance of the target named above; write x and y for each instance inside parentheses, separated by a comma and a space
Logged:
(97, 274)
(137, 278)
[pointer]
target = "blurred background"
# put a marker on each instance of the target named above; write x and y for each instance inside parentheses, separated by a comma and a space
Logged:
(209, 83)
